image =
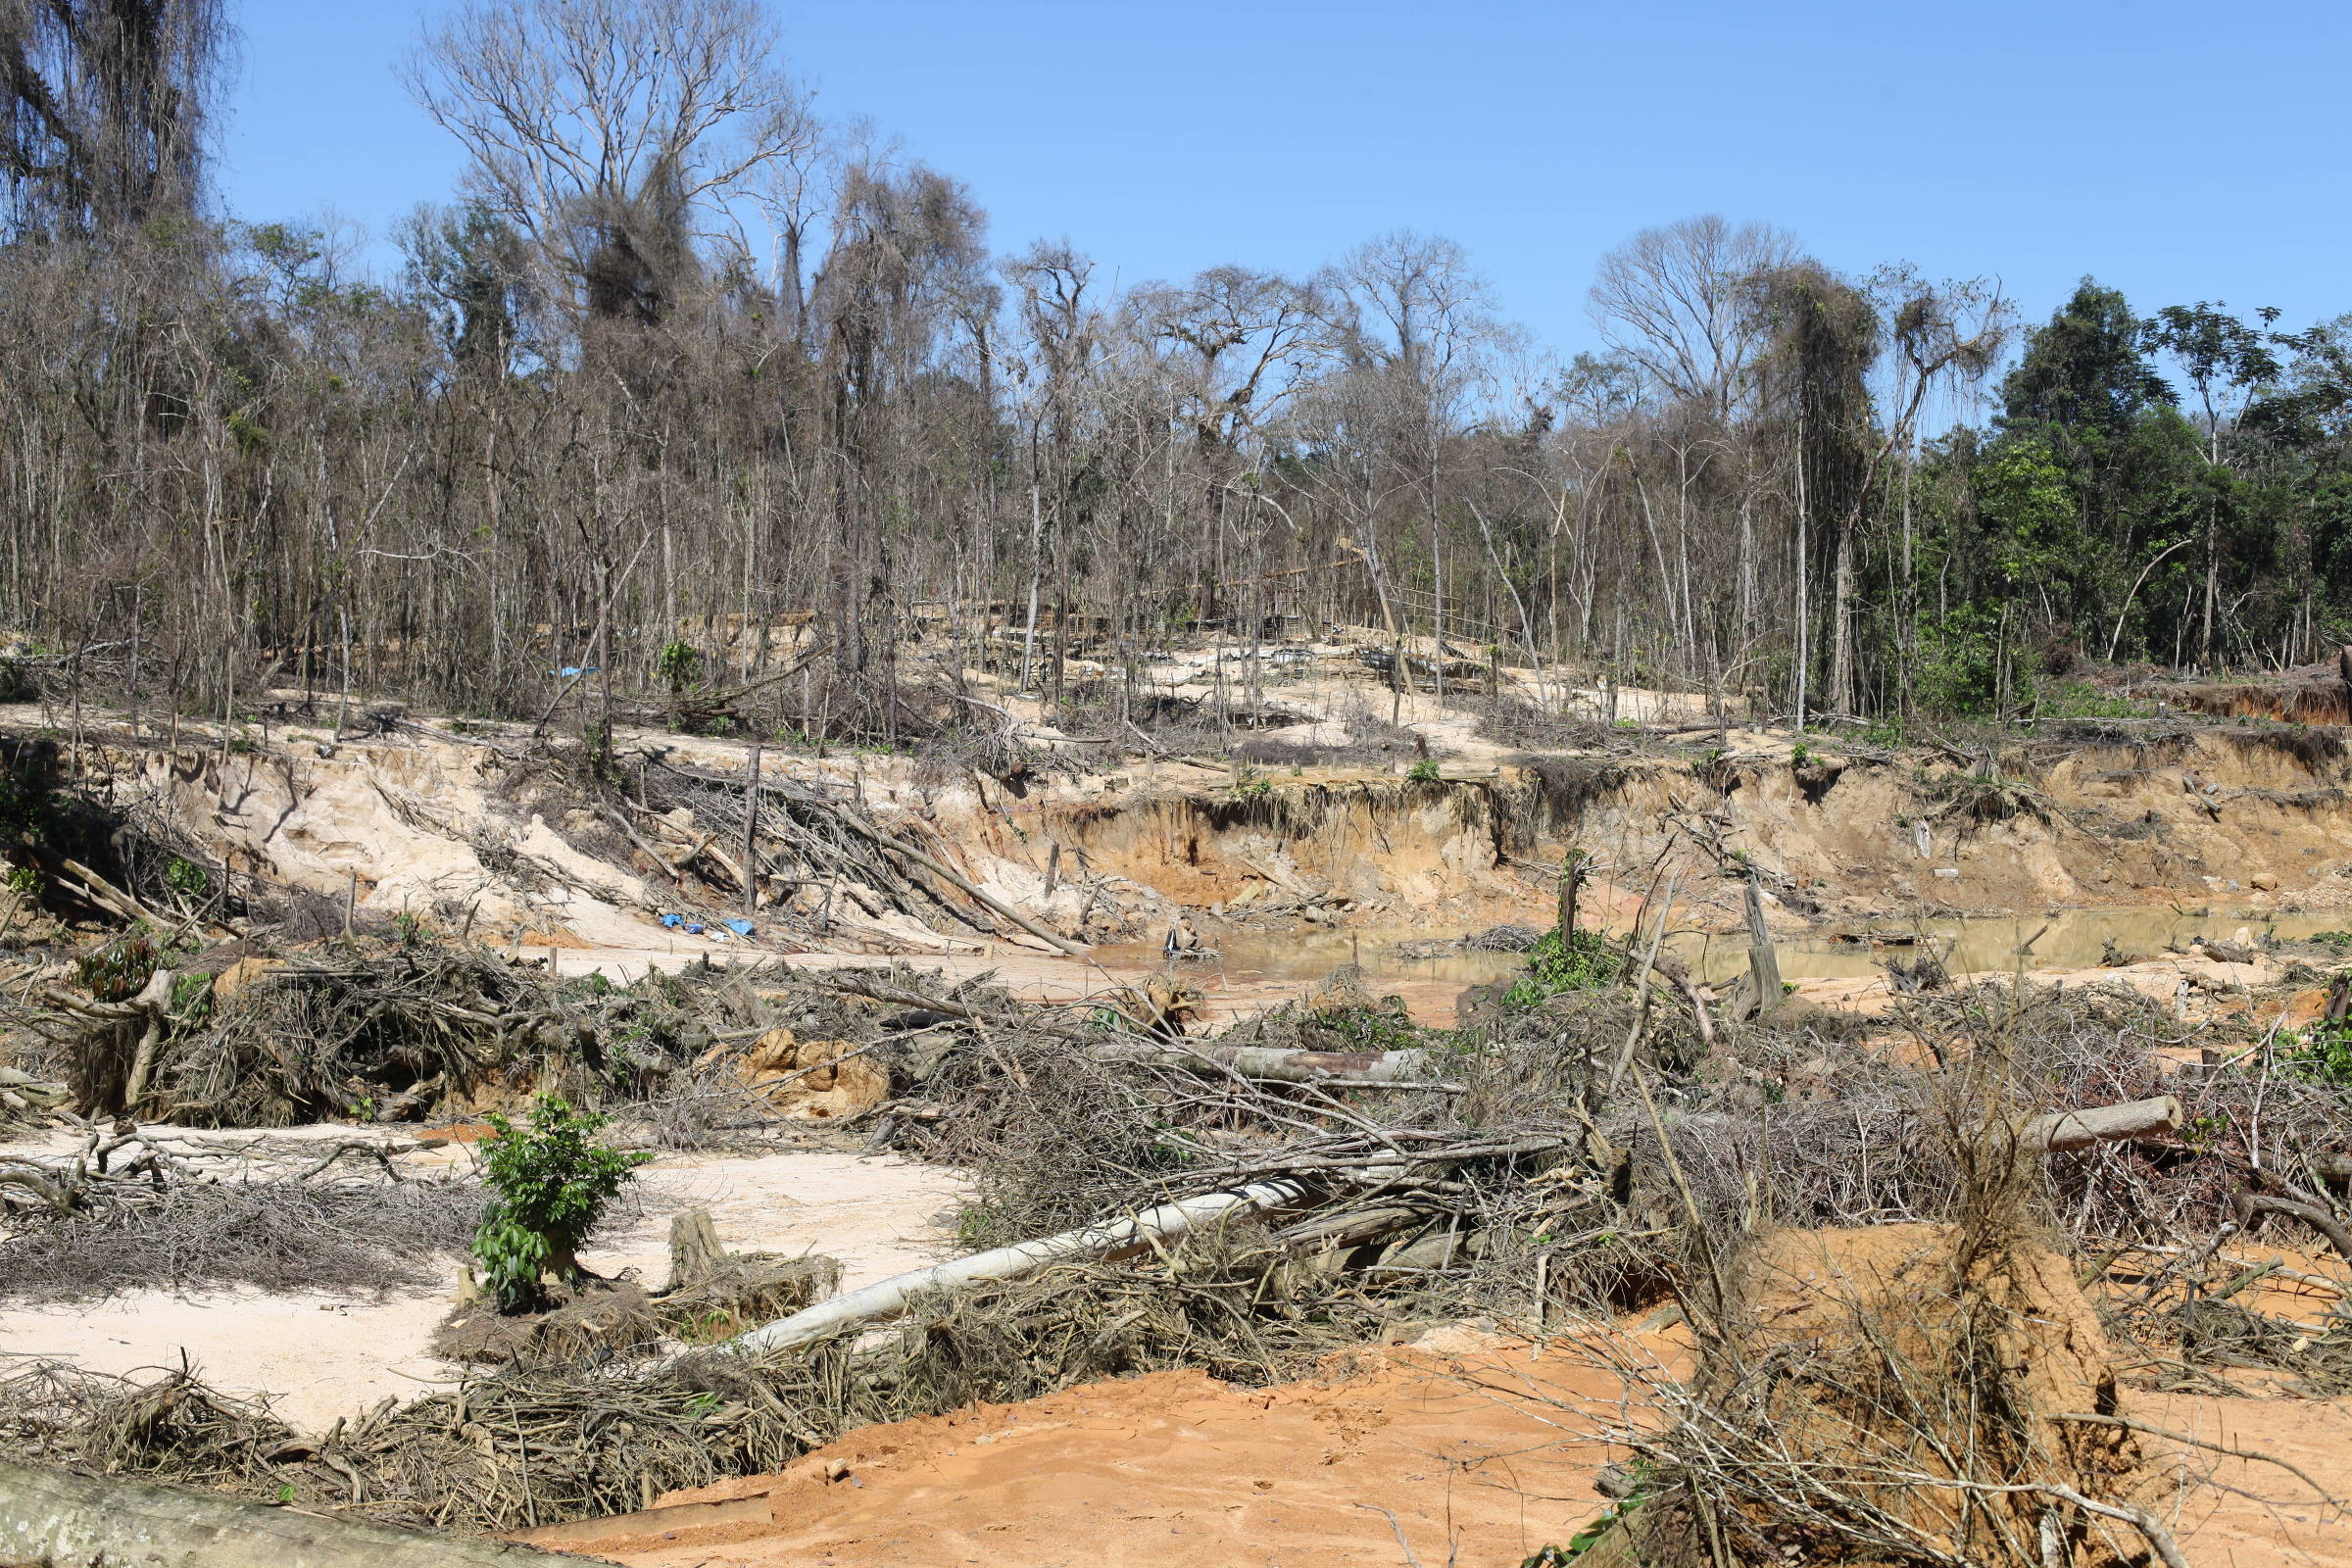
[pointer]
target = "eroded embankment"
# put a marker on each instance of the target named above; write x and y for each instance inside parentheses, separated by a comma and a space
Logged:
(2259, 818)
(503, 842)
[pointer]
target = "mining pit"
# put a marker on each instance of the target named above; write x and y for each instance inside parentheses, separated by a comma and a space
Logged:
(1503, 1209)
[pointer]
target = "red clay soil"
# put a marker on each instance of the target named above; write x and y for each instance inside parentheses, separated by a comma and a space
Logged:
(1174, 1470)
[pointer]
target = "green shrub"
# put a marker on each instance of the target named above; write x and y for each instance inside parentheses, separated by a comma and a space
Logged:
(1424, 772)
(550, 1185)
(679, 665)
(1585, 961)
(119, 970)
(2080, 698)
(2323, 1055)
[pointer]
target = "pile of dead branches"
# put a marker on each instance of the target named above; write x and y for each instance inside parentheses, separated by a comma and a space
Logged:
(145, 1207)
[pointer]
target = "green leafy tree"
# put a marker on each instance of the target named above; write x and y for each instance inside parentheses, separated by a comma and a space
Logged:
(2084, 374)
(2223, 360)
(552, 1183)
(2085, 390)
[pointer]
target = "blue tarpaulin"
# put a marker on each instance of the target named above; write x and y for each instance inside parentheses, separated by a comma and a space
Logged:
(742, 928)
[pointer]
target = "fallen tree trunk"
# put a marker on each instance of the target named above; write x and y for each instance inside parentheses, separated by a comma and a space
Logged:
(1270, 1065)
(1106, 1242)
(56, 1516)
(2058, 1131)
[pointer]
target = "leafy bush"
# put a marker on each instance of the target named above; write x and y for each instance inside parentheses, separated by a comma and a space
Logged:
(679, 665)
(551, 1184)
(1960, 663)
(2080, 698)
(2322, 1055)
(1585, 961)
(1424, 772)
(119, 970)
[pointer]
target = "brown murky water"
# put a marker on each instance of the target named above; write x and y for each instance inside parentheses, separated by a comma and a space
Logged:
(2062, 939)
(2059, 939)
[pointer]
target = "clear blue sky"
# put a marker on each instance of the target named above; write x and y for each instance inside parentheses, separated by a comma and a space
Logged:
(2178, 151)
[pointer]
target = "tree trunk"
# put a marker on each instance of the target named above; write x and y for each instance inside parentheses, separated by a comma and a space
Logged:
(55, 1516)
(1106, 1242)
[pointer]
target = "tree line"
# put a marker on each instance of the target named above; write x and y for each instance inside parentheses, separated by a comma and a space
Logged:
(680, 360)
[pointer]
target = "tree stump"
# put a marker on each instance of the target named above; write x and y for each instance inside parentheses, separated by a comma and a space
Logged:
(695, 1253)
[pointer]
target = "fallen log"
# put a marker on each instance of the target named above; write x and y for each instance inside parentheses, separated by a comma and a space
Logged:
(1106, 1242)
(2057, 1132)
(56, 1516)
(1270, 1065)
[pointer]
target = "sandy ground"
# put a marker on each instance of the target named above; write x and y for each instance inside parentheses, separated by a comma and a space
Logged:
(2235, 1513)
(1477, 1450)
(1176, 1470)
(320, 1355)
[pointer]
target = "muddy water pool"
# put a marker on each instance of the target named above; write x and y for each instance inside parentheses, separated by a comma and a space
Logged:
(2057, 939)
(2062, 939)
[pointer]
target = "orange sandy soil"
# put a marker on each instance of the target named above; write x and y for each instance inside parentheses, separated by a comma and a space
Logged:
(1176, 1470)
(1474, 1452)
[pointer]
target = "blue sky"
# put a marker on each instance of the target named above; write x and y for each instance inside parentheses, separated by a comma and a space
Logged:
(2180, 152)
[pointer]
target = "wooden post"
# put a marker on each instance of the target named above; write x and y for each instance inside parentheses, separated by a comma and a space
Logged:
(1572, 882)
(751, 837)
(1763, 963)
(1052, 867)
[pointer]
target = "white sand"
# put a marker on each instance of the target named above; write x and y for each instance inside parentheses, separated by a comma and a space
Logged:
(319, 1355)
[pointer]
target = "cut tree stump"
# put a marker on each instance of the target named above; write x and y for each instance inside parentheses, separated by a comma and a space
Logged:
(695, 1253)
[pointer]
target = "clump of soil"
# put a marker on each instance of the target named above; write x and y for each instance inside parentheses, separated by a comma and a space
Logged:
(809, 1080)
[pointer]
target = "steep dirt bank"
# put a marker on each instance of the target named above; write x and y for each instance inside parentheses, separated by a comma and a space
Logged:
(2258, 820)
(490, 837)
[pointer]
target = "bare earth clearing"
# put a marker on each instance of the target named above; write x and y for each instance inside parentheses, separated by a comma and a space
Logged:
(2160, 872)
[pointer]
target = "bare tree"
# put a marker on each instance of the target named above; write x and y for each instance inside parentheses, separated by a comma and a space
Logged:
(608, 130)
(1412, 322)
(1669, 300)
